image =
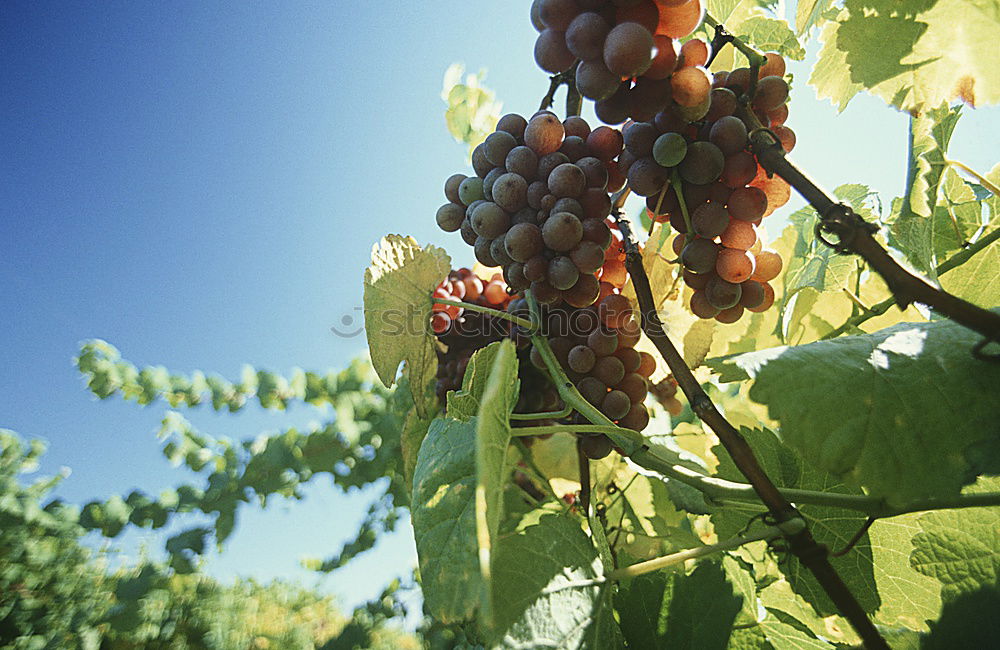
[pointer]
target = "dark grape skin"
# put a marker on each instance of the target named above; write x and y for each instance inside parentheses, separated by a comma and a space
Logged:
(513, 124)
(636, 419)
(548, 163)
(603, 342)
(498, 251)
(595, 81)
(585, 36)
(752, 294)
(557, 14)
(567, 180)
(639, 139)
(635, 386)
(576, 125)
(523, 241)
(595, 447)
(609, 370)
(699, 255)
(479, 162)
(615, 404)
(562, 231)
(729, 134)
(497, 145)
(585, 292)
(614, 109)
(536, 268)
(722, 294)
(568, 204)
(523, 161)
(703, 163)
(596, 203)
(489, 220)
(562, 272)
(628, 50)
(581, 359)
(605, 143)
(482, 251)
(551, 53)
(709, 220)
(597, 231)
(592, 389)
(449, 217)
(451, 187)
(648, 97)
(510, 192)
(771, 92)
(747, 203)
(490, 180)
(469, 235)
(588, 256)
(629, 357)
(595, 172)
(723, 103)
(647, 177)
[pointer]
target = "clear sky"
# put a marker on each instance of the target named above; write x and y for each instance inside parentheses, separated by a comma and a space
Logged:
(200, 184)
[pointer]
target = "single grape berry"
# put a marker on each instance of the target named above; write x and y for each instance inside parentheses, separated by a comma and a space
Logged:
(562, 231)
(581, 359)
(615, 404)
(669, 149)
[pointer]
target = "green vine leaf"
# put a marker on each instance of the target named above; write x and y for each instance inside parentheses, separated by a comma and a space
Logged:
(397, 302)
(960, 548)
(831, 526)
(444, 519)
(772, 34)
(668, 609)
(906, 412)
(814, 265)
(913, 54)
(809, 13)
(473, 110)
(465, 403)
(492, 440)
(969, 621)
(538, 599)
(913, 228)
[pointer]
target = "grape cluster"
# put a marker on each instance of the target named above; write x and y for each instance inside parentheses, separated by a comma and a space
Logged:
(538, 203)
(631, 40)
(596, 347)
(726, 193)
(462, 332)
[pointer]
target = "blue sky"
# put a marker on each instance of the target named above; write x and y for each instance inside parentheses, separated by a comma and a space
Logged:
(200, 184)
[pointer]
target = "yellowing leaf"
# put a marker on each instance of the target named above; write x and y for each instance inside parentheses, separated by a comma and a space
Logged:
(914, 54)
(397, 301)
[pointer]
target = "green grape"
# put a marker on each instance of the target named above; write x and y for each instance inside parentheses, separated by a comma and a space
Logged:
(669, 149)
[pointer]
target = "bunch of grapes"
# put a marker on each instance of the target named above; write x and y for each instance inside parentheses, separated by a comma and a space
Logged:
(596, 347)
(462, 332)
(538, 203)
(630, 58)
(726, 193)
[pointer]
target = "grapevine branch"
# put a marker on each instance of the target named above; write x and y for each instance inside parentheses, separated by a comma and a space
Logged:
(802, 543)
(880, 308)
(851, 233)
(640, 568)
(726, 492)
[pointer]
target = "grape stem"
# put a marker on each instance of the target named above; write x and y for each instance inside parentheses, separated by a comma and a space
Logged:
(574, 102)
(802, 544)
(675, 182)
(548, 415)
(640, 568)
(985, 182)
(517, 320)
(572, 428)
